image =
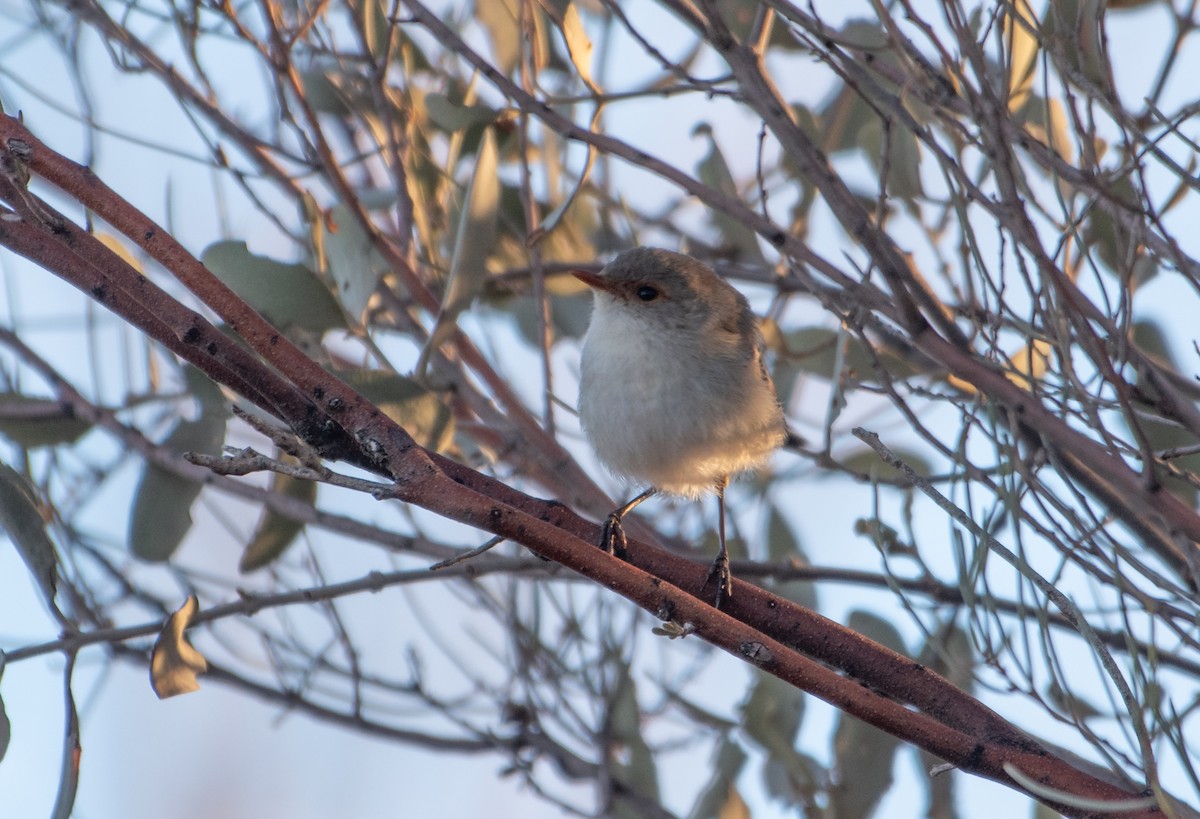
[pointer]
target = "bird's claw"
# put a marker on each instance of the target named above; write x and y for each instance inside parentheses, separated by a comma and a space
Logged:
(612, 536)
(724, 577)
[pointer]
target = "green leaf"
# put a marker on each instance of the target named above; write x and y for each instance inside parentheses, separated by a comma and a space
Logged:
(634, 766)
(730, 759)
(784, 547)
(376, 27)
(276, 532)
(421, 412)
(5, 730)
(868, 462)
(451, 116)
(472, 244)
(162, 502)
(1165, 435)
(814, 350)
(34, 422)
(714, 171)
(772, 713)
(863, 754)
(26, 528)
(354, 264)
(175, 663)
(287, 295)
(949, 652)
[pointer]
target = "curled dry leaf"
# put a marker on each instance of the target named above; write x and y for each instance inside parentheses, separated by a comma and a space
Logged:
(174, 663)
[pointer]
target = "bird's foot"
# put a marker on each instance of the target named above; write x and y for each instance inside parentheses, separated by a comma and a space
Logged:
(720, 570)
(612, 536)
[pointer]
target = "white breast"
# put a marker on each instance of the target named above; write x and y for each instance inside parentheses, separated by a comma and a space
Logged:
(661, 409)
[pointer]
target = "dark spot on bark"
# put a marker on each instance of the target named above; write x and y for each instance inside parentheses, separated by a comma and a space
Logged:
(777, 239)
(148, 235)
(192, 336)
(211, 349)
(495, 514)
(100, 292)
(318, 393)
(336, 404)
(273, 340)
(772, 604)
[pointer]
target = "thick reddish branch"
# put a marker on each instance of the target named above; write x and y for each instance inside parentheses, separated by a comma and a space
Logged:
(765, 630)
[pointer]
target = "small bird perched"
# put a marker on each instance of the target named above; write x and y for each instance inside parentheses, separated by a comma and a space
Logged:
(673, 389)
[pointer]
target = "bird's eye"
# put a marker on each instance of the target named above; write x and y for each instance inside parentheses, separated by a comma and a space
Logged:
(647, 293)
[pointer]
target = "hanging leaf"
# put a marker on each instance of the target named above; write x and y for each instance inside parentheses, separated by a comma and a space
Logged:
(354, 264)
(5, 730)
(68, 776)
(633, 766)
(451, 116)
(1165, 435)
(783, 546)
(33, 422)
(949, 652)
(287, 295)
(866, 461)
(578, 45)
(26, 528)
(713, 170)
(276, 532)
(174, 663)
(162, 502)
(814, 350)
(863, 754)
(500, 19)
(472, 244)
(771, 715)
(1019, 36)
(421, 412)
(716, 795)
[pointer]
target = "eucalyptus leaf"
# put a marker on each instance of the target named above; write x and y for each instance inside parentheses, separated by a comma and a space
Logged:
(578, 44)
(162, 502)
(730, 759)
(287, 295)
(26, 528)
(451, 116)
(714, 171)
(33, 422)
(635, 769)
(276, 532)
(472, 245)
(354, 264)
(5, 730)
(174, 662)
(422, 413)
(863, 754)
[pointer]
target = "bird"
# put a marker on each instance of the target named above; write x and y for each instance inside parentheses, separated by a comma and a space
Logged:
(674, 393)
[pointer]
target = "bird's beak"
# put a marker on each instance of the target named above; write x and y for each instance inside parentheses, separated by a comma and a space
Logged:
(593, 280)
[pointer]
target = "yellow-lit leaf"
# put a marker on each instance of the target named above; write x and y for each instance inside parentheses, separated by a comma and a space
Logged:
(1030, 364)
(578, 45)
(734, 806)
(276, 532)
(174, 663)
(472, 244)
(117, 246)
(1019, 27)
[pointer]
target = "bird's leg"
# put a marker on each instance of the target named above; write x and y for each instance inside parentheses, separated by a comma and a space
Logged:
(720, 567)
(612, 534)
